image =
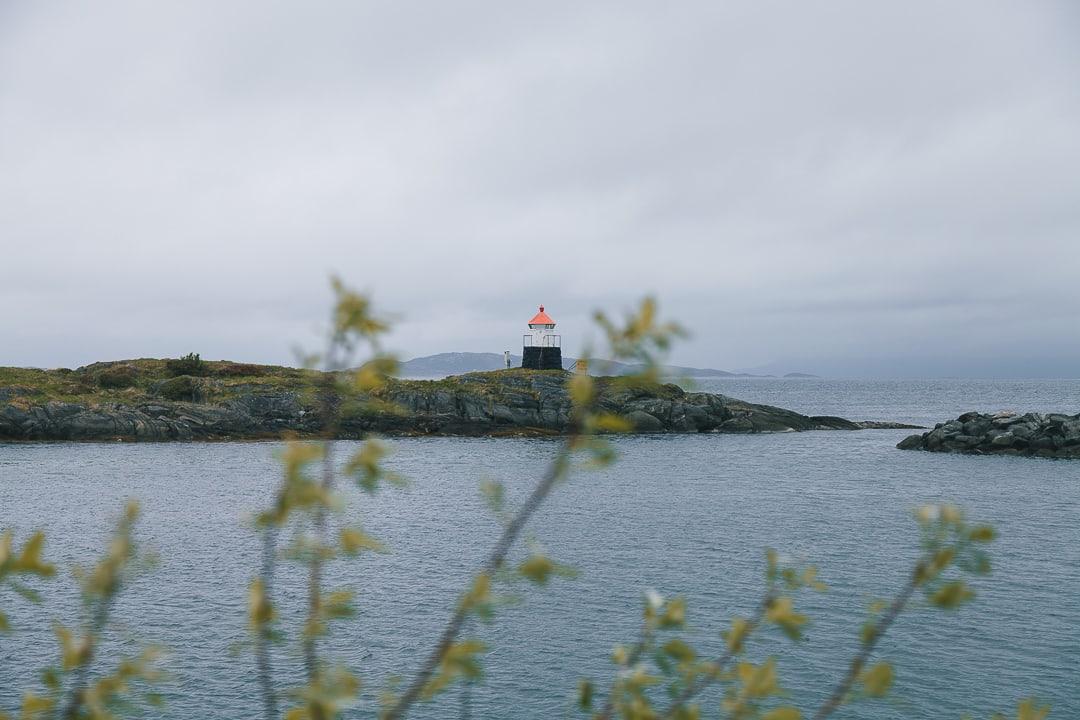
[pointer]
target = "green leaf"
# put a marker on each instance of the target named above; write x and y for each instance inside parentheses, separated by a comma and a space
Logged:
(877, 680)
(620, 655)
(736, 636)
(459, 661)
(27, 592)
(674, 615)
(679, 650)
(608, 422)
(30, 560)
(809, 579)
(354, 541)
(1030, 710)
(50, 678)
(365, 465)
(585, 694)
(337, 605)
(783, 713)
(758, 681)
(537, 568)
(478, 599)
(952, 595)
(372, 375)
(868, 632)
(495, 494)
(581, 390)
(782, 612)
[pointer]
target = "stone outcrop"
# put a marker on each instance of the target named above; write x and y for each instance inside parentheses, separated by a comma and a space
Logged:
(1051, 435)
(513, 402)
(245, 417)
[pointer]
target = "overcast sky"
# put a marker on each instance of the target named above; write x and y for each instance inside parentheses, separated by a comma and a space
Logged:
(846, 188)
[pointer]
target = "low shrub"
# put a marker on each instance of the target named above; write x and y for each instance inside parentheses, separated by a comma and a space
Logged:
(240, 370)
(117, 376)
(190, 364)
(184, 388)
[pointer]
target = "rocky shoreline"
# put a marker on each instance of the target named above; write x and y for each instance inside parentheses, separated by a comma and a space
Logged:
(273, 405)
(1051, 435)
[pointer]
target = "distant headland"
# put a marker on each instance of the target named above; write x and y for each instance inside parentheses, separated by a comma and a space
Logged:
(541, 349)
(459, 363)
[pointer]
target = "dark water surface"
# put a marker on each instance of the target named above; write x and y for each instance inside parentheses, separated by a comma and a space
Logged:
(679, 514)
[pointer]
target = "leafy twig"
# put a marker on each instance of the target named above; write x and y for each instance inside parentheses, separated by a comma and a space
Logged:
(556, 471)
(871, 639)
(694, 688)
(947, 540)
(263, 631)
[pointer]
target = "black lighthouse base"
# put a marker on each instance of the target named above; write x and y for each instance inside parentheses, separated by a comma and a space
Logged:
(541, 358)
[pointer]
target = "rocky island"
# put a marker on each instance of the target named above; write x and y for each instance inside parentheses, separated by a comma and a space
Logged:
(151, 400)
(1049, 435)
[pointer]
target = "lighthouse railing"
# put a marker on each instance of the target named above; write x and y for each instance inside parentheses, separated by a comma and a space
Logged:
(541, 341)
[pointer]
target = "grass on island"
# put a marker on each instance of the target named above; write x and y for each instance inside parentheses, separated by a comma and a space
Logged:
(191, 379)
(128, 381)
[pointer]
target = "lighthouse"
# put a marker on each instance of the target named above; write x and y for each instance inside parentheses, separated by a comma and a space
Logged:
(542, 347)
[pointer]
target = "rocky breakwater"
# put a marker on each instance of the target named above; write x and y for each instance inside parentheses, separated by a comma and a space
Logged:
(246, 402)
(1049, 435)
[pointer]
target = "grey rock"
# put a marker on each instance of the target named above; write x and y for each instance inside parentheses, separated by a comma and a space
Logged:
(10, 392)
(953, 427)
(1023, 431)
(1050, 435)
(911, 442)
(886, 425)
(644, 422)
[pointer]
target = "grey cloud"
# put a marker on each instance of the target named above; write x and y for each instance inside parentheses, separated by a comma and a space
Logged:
(850, 187)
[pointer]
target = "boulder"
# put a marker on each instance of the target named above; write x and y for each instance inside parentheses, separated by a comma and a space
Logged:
(911, 442)
(644, 422)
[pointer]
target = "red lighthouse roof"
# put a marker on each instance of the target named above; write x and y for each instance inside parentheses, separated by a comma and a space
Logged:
(541, 318)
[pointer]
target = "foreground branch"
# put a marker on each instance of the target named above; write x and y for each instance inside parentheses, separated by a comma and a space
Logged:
(698, 686)
(77, 696)
(836, 699)
(556, 471)
(263, 666)
(631, 660)
(330, 406)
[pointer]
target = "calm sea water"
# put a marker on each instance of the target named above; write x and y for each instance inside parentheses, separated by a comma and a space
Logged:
(684, 515)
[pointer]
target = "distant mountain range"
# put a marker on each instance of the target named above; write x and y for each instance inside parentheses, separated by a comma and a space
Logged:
(456, 363)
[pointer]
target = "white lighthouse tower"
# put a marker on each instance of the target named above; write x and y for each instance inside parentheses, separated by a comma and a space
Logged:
(542, 348)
